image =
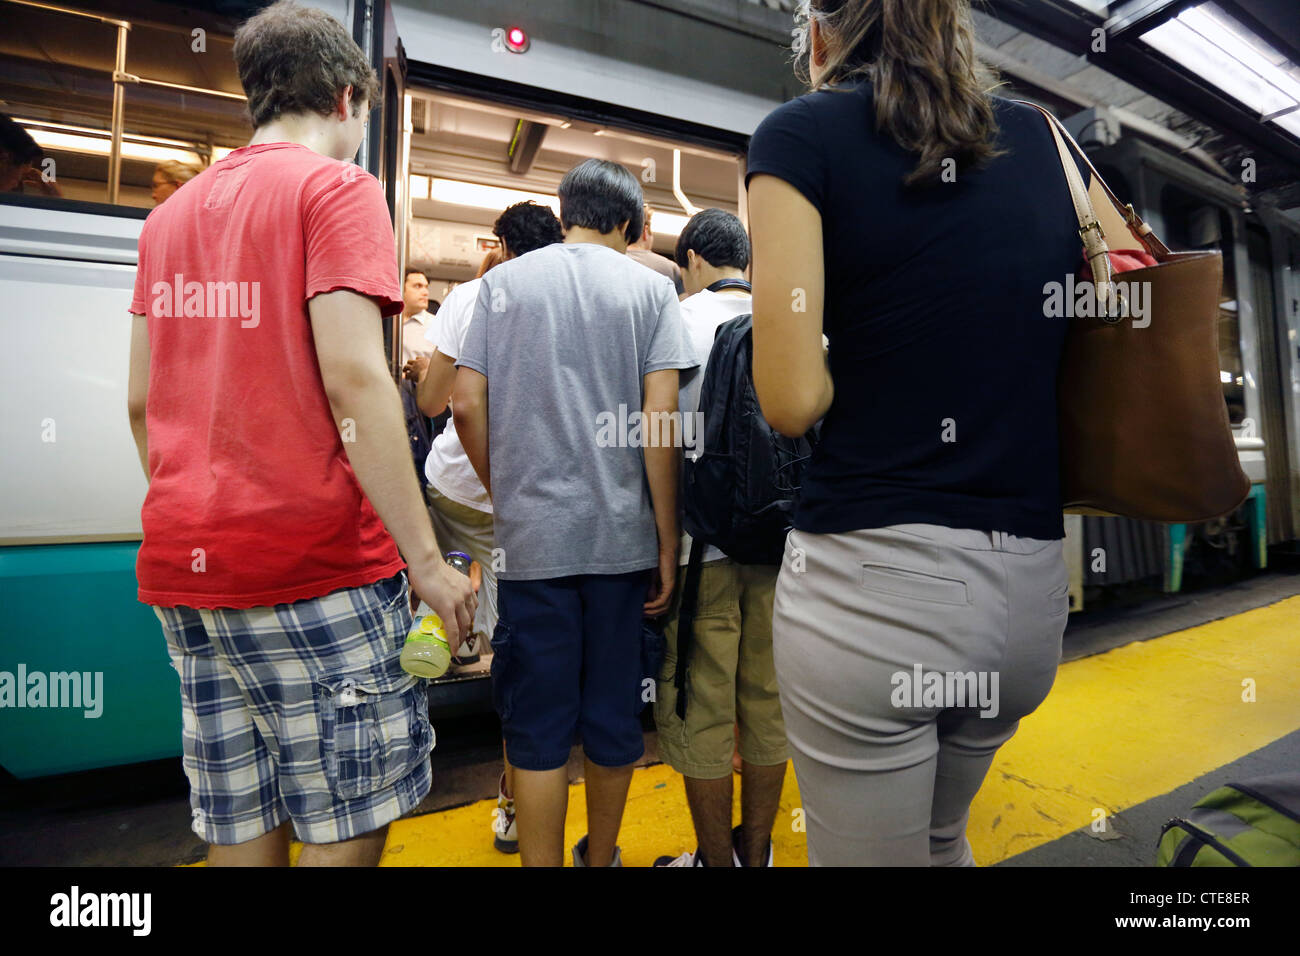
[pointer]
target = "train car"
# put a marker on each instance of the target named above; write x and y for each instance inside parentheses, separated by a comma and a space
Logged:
(464, 128)
(484, 103)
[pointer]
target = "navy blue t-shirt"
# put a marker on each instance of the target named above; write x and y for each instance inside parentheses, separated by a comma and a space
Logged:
(943, 361)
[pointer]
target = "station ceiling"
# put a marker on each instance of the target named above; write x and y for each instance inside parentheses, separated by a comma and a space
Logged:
(1222, 73)
(1046, 50)
(1222, 76)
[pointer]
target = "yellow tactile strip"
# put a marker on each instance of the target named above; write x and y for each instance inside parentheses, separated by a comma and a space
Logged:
(1117, 729)
(1139, 721)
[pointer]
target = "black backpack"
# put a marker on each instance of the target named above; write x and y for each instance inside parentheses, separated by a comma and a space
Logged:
(739, 491)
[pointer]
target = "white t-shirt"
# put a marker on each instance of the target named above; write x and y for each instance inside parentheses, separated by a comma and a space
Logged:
(702, 313)
(448, 468)
(415, 335)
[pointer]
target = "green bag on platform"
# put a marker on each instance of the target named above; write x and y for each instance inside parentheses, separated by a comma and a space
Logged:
(1254, 824)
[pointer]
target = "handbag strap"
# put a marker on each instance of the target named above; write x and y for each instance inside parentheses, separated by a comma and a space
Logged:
(1140, 229)
(1096, 249)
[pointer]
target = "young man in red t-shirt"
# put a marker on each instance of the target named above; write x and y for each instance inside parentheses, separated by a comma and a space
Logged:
(272, 436)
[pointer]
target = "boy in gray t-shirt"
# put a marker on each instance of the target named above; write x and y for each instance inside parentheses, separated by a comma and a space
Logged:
(568, 375)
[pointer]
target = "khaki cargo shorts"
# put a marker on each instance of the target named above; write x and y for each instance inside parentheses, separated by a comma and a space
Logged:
(730, 677)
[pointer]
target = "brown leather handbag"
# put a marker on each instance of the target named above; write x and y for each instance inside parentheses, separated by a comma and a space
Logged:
(1144, 428)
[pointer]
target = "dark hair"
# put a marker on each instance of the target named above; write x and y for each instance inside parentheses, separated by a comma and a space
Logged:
(18, 144)
(434, 306)
(293, 59)
(598, 194)
(526, 226)
(717, 237)
(930, 90)
(411, 270)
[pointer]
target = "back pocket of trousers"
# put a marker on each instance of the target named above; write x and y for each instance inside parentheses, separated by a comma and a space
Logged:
(917, 585)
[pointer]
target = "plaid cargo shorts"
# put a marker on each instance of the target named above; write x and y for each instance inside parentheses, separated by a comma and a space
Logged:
(301, 711)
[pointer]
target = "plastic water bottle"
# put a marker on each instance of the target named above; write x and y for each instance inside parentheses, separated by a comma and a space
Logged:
(427, 652)
(461, 561)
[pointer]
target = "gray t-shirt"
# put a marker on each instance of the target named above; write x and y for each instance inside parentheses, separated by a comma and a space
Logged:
(564, 335)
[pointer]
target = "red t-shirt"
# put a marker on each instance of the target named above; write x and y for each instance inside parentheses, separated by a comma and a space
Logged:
(251, 499)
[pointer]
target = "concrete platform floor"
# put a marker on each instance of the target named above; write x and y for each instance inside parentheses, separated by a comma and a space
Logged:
(1146, 716)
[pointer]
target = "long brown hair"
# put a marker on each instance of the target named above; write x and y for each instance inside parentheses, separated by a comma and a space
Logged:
(931, 91)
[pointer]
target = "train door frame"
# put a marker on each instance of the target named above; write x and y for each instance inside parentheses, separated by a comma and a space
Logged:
(1284, 237)
(455, 696)
(383, 150)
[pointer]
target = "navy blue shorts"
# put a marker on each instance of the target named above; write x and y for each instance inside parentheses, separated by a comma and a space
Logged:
(568, 666)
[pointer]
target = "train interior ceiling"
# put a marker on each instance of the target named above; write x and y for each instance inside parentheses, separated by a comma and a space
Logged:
(470, 159)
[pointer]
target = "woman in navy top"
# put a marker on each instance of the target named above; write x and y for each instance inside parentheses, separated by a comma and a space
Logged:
(915, 219)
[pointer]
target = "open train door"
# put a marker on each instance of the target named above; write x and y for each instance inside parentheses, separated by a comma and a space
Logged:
(383, 152)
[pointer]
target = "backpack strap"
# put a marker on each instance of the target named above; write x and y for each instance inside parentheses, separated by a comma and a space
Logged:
(686, 621)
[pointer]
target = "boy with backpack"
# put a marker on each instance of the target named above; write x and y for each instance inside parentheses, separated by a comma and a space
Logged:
(563, 338)
(725, 664)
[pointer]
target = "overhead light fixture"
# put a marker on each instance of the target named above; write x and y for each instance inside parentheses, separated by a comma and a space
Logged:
(481, 196)
(1209, 43)
(1099, 7)
(668, 223)
(485, 197)
(98, 142)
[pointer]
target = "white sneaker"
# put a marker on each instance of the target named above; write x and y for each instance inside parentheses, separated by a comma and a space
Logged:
(686, 859)
(580, 854)
(505, 835)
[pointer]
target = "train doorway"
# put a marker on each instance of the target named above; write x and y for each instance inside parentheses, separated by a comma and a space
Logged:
(471, 155)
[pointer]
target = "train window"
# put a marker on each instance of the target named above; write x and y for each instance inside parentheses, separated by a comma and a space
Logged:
(162, 77)
(1191, 222)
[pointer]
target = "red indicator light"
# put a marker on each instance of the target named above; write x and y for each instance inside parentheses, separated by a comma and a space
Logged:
(516, 40)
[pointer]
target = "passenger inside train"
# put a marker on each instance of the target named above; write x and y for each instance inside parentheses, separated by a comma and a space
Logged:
(20, 161)
(514, 474)
(170, 176)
